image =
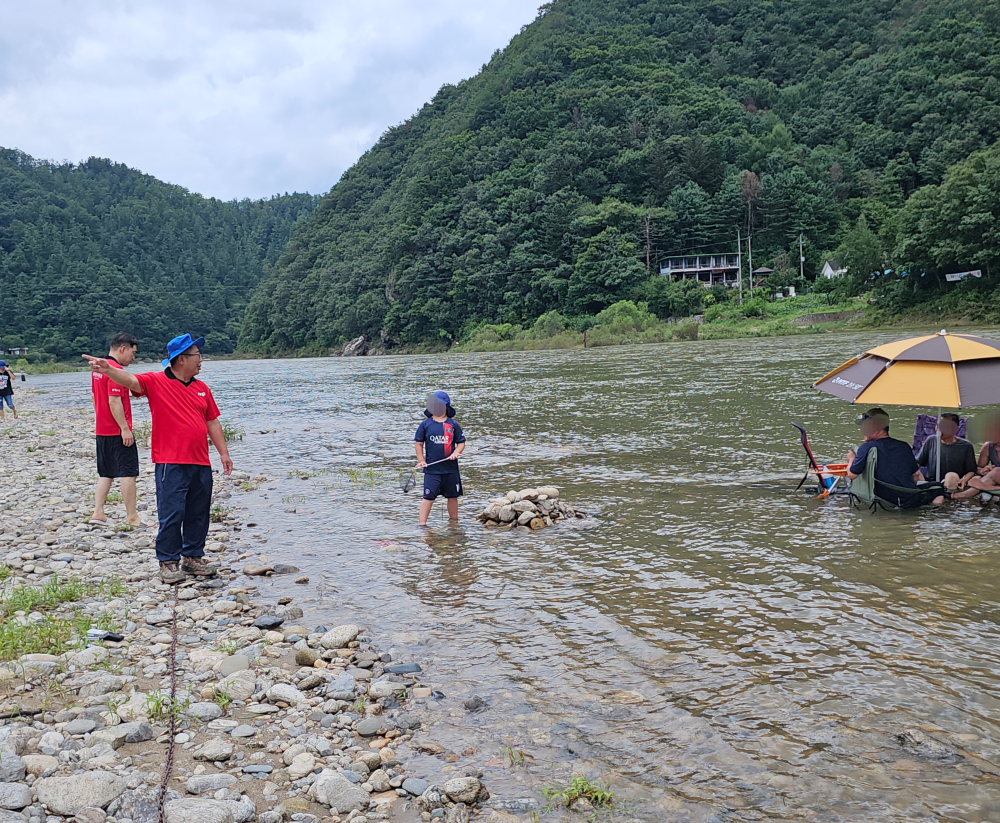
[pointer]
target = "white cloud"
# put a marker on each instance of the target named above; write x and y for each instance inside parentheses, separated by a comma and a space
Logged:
(234, 99)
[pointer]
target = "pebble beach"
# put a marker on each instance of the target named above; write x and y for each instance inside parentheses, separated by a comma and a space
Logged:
(277, 716)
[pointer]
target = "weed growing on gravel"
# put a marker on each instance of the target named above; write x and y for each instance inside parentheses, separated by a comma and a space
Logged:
(114, 497)
(218, 513)
(579, 786)
(5, 571)
(232, 431)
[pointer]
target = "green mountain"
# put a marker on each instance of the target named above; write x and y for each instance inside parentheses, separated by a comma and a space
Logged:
(91, 249)
(612, 132)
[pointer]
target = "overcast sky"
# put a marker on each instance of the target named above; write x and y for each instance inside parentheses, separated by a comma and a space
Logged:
(233, 98)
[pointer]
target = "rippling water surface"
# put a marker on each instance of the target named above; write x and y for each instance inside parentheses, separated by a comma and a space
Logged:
(713, 644)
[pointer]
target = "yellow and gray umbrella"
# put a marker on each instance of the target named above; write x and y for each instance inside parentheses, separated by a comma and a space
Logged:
(945, 370)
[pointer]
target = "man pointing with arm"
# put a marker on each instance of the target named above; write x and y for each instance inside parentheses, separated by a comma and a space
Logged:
(184, 416)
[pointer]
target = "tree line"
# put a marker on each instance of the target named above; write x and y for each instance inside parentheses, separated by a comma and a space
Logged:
(609, 134)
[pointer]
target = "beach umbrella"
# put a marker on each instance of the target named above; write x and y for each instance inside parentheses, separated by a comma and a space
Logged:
(945, 370)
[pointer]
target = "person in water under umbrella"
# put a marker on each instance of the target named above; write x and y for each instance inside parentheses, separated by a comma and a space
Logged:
(438, 443)
(896, 464)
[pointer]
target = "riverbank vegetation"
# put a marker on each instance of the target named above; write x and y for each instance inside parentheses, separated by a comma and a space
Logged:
(611, 134)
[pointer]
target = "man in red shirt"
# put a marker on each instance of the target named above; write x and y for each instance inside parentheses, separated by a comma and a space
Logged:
(184, 418)
(117, 455)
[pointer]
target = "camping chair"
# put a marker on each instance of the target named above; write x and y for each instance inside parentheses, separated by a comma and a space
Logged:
(862, 487)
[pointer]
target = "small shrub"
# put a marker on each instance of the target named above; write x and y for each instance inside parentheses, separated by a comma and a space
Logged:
(218, 513)
(578, 787)
(686, 331)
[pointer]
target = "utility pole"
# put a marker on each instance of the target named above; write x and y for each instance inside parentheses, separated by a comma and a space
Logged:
(647, 228)
(750, 261)
(739, 262)
(802, 260)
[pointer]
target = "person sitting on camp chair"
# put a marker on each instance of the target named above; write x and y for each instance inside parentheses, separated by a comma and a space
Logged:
(896, 469)
(988, 469)
(958, 456)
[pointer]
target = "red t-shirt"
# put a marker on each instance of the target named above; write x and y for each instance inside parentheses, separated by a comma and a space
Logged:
(103, 388)
(181, 414)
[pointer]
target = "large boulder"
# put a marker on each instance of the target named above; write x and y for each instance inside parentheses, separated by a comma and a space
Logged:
(285, 693)
(462, 789)
(69, 795)
(339, 637)
(356, 348)
(197, 810)
(339, 793)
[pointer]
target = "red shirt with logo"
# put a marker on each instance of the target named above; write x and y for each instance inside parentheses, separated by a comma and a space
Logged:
(103, 388)
(181, 414)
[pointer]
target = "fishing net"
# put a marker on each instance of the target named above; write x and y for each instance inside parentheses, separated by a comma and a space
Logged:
(408, 481)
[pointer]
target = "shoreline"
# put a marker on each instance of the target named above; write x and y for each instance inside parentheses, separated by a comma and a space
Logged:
(277, 716)
(707, 332)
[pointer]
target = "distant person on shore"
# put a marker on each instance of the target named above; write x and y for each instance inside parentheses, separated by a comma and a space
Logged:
(895, 466)
(958, 456)
(185, 417)
(438, 442)
(6, 390)
(117, 455)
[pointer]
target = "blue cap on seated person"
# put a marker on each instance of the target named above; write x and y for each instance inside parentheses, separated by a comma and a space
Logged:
(438, 402)
(3, 364)
(179, 345)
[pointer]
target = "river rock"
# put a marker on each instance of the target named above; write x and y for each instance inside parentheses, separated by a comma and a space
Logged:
(201, 783)
(69, 795)
(243, 810)
(215, 749)
(233, 663)
(136, 731)
(337, 792)
(82, 725)
(36, 764)
(14, 796)
(415, 786)
(301, 765)
(284, 693)
(238, 686)
(204, 711)
(342, 688)
(139, 805)
(383, 687)
(306, 657)
(462, 789)
(268, 621)
(370, 726)
(12, 768)
(339, 637)
(196, 810)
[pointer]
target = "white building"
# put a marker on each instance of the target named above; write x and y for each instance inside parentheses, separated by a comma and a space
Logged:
(832, 270)
(707, 269)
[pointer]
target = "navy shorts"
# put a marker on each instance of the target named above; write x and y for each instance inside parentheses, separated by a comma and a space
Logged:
(447, 485)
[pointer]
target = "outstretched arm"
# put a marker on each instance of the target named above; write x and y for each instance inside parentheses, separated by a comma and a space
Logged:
(119, 376)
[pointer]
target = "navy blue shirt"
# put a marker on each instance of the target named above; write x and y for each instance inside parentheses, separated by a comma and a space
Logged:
(439, 441)
(896, 466)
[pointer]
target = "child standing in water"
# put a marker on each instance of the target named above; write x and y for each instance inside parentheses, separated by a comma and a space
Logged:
(439, 442)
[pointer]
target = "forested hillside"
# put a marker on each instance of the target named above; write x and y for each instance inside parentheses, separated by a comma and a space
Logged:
(611, 132)
(87, 250)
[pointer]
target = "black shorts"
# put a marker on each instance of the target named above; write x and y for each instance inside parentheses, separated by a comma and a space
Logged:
(115, 459)
(447, 485)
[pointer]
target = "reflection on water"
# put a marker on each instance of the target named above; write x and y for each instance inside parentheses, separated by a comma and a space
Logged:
(716, 646)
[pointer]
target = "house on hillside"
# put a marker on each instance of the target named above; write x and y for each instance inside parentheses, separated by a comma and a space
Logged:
(707, 269)
(832, 269)
(17, 351)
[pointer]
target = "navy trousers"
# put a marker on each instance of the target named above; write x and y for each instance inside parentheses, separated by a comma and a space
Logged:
(184, 504)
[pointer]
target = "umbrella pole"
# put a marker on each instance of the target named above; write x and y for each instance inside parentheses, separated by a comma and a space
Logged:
(937, 470)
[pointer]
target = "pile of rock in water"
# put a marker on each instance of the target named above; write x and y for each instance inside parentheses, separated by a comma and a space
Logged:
(529, 509)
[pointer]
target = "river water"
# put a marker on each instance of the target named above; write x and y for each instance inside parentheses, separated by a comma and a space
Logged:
(712, 644)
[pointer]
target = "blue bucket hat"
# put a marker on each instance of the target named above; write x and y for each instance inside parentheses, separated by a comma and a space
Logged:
(179, 345)
(445, 400)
